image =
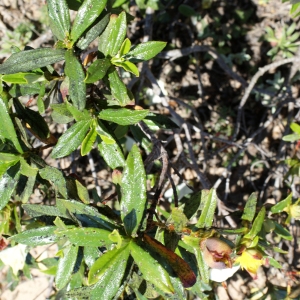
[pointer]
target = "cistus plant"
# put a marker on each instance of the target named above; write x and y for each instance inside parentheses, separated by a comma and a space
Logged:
(131, 250)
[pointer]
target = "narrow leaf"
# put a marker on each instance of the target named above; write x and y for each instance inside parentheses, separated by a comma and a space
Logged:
(280, 206)
(6, 161)
(35, 237)
(65, 266)
(133, 191)
(250, 208)
(112, 38)
(59, 18)
(181, 268)
(29, 60)
(7, 130)
(97, 70)
(71, 139)
(56, 177)
(145, 51)
(257, 224)
(86, 15)
(106, 261)
(86, 236)
(118, 88)
(93, 33)
(8, 183)
(128, 66)
(123, 116)
(77, 88)
(152, 271)
(89, 141)
(208, 204)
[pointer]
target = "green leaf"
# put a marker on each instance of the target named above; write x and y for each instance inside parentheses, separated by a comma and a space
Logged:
(7, 160)
(89, 140)
(145, 51)
(37, 210)
(33, 120)
(291, 137)
(86, 236)
(118, 88)
(56, 177)
(93, 33)
(186, 10)
(86, 15)
(66, 266)
(257, 224)
(133, 191)
(35, 237)
(108, 148)
(128, 66)
(123, 116)
(82, 192)
(181, 268)
(8, 183)
(106, 261)
(24, 89)
(71, 139)
(77, 88)
(280, 206)
(112, 38)
(29, 60)
(7, 130)
(295, 127)
(282, 232)
(82, 210)
(125, 47)
(112, 154)
(59, 18)
(61, 113)
(23, 78)
(97, 70)
(208, 204)
(250, 208)
(27, 169)
(91, 254)
(152, 271)
(110, 281)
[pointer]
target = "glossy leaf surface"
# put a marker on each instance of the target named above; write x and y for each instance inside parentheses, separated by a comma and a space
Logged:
(89, 140)
(106, 261)
(7, 130)
(181, 268)
(35, 237)
(93, 33)
(123, 116)
(133, 191)
(208, 207)
(92, 237)
(112, 38)
(152, 271)
(145, 51)
(250, 208)
(77, 88)
(118, 88)
(65, 266)
(71, 139)
(257, 224)
(6, 161)
(86, 15)
(59, 18)
(97, 70)
(8, 183)
(56, 177)
(28, 60)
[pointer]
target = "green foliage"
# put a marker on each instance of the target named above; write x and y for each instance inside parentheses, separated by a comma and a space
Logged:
(106, 251)
(282, 40)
